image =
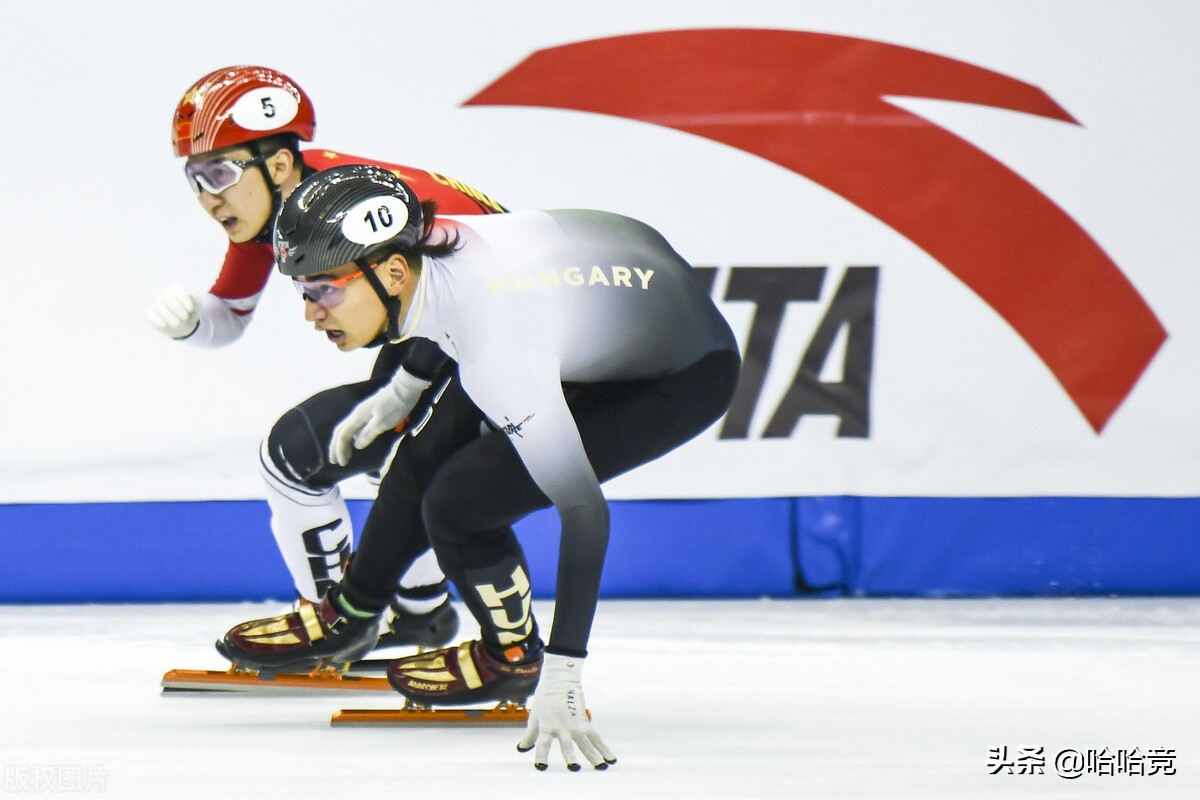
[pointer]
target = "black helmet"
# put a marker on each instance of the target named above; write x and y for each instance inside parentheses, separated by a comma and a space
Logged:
(344, 214)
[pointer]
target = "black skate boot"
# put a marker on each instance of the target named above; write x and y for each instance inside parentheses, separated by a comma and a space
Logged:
(466, 675)
(310, 637)
(435, 628)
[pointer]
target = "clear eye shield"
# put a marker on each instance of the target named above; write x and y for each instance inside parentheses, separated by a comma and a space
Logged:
(216, 175)
(326, 292)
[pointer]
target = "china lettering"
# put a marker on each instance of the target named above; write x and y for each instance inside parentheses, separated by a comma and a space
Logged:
(469, 191)
(1070, 763)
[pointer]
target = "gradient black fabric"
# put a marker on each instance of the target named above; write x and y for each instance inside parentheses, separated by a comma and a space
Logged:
(464, 490)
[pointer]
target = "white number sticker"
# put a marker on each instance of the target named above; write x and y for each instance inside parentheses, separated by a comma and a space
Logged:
(375, 220)
(264, 109)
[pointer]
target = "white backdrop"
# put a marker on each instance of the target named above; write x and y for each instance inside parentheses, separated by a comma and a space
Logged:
(94, 405)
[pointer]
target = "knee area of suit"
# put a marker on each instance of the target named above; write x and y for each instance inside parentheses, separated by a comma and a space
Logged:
(441, 511)
(294, 449)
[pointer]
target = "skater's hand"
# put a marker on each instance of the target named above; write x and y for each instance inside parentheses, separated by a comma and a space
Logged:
(558, 712)
(175, 312)
(378, 413)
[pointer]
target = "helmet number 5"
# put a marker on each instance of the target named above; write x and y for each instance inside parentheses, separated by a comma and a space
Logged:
(268, 107)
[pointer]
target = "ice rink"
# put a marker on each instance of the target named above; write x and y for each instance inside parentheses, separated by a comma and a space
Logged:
(809, 698)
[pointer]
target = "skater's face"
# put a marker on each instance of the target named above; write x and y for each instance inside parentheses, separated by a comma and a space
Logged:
(343, 306)
(232, 190)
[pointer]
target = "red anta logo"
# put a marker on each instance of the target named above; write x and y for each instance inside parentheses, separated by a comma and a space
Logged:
(814, 103)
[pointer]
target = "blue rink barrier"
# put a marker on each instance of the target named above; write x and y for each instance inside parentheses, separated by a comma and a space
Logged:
(215, 551)
(935, 547)
(219, 551)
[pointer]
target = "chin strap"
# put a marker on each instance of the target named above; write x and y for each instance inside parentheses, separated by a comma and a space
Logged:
(264, 235)
(391, 303)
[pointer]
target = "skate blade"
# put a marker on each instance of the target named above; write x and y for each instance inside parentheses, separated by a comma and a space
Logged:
(505, 714)
(232, 680)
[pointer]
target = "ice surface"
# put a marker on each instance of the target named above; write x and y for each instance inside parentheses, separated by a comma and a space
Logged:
(699, 699)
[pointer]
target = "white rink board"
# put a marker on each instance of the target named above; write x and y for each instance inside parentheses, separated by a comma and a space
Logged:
(98, 407)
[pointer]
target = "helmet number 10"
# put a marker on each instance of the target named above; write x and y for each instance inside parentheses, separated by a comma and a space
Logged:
(379, 218)
(375, 220)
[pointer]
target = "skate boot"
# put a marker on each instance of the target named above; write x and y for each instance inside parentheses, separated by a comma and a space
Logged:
(466, 675)
(310, 637)
(435, 628)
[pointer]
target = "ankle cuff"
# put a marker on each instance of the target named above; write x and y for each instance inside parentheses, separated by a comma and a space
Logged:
(346, 606)
(357, 603)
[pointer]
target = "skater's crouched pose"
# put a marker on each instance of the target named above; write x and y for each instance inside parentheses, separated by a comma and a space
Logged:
(240, 129)
(585, 347)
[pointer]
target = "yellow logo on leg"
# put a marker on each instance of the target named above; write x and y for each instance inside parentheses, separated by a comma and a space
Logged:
(510, 630)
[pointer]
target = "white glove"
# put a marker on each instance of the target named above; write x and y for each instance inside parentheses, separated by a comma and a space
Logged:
(175, 312)
(558, 711)
(378, 413)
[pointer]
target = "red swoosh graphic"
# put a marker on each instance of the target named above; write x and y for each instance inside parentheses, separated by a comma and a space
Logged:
(813, 103)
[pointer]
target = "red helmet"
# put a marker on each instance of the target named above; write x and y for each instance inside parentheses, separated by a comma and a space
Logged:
(236, 105)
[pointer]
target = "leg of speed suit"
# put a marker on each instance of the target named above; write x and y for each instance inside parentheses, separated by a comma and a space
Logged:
(395, 529)
(309, 518)
(484, 487)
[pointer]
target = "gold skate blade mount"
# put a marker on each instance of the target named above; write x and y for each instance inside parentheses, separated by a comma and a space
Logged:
(505, 714)
(235, 680)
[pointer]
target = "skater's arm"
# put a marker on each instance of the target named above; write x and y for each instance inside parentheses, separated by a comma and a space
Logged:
(521, 393)
(220, 316)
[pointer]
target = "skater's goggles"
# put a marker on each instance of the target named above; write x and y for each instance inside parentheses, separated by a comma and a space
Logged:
(216, 175)
(326, 292)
